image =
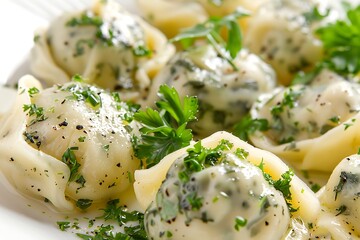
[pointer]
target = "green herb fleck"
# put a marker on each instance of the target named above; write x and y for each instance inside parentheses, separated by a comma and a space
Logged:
(69, 159)
(199, 158)
(84, 203)
(341, 210)
(87, 94)
(241, 153)
(63, 226)
(283, 184)
(34, 110)
(240, 222)
(315, 187)
(195, 202)
(247, 126)
(32, 91)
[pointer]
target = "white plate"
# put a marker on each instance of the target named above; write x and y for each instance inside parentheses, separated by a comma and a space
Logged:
(20, 217)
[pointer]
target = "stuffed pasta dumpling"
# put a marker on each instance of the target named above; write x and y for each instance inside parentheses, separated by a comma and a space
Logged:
(68, 142)
(107, 45)
(225, 94)
(313, 126)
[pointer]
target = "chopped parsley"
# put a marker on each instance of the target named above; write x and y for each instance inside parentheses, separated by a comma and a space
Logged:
(211, 29)
(289, 100)
(84, 93)
(32, 91)
(164, 131)
(133, 223)
(69, 159)
(240, 222)
(283, 184)
(248, 126)
(195, 202)
(34, 110)
(84, 203)
(63, 225)
(199, 158)
(241, 153)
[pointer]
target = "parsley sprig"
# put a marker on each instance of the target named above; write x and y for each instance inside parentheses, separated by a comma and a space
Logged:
(341, 43)
(211, 31)
(164, 131)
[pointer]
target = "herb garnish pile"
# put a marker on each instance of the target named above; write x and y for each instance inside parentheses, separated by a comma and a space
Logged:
(131, 222)
(164, 130)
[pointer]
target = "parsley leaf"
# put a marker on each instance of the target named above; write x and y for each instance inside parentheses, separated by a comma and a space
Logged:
(164, 131)
(341, 46)
(341, 43)
(248, 126)
(63, 225)
(315, 15)
(211, 29)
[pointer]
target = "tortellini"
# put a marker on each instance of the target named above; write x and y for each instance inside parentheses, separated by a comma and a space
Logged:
(149, 181)
(68, 142)
(105, 44)
(310, 123)
(213, 200)
(225, 7)
(282, 35)
(340, 200)
(225, 95)
(172, 16)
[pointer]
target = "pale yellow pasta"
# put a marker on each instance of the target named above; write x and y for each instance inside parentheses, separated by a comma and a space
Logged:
(27, 169)
(105, 44)
(172, 16)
